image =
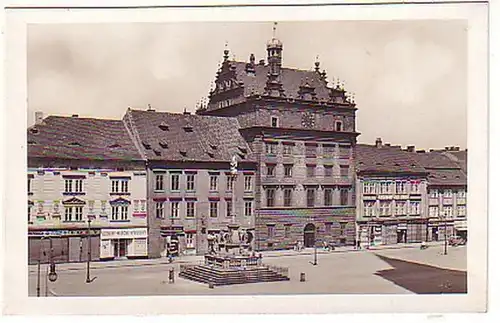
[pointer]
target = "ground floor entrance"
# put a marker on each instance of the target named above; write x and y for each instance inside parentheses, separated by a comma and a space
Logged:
(309, 235)
(123, 243)
(120, 247)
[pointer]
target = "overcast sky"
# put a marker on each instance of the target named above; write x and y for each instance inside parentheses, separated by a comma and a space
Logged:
(409, 76)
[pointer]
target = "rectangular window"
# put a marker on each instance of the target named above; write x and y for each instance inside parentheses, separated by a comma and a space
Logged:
(159, 210)
(115, 212)
(344, 152)
(78, 185)
(271, 148)
(434, 193)
(369, 208)
(159, 182)
(342, 228)
(190, 209)
(174, 182)
(448, 211)
(270, 192)
(124, 213)
(328, 171)
(271, 170)
(114, 186)
(344, 171)
(274, 122)
(229, 208)
(311, 197)
(400, 208)
(287, 230)
(385, 187)
(344, 196)
(287, 149)
(288, 170)
(447, 193)
(29, 213)
(124, 186)
(311, 170)
(68, 185)
(248, 208)
(214, 180)
(68, 214)
(385, 208)
(328, 197)
(415, 208)
(433, 211)
(461, 211)
(189, 240)
(78, 213)
(328, 151)
(214, 209)
(229, 183)
(311, 150)
(248, 183)
(174, 209)
(400, 187)
(190, 182)
(414, 187)
(461, 194)
(369, 188)
(328, 227)
(287, 197)
(270, 231)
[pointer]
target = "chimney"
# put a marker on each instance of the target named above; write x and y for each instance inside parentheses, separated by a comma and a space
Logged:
(447, 148)
(74, 115)
(186, 112)
(150, 109)
(262, 62)
(431, 150)
(378, 143)
(457, 148)
(387, 144)
(410, 149)
(38, 117)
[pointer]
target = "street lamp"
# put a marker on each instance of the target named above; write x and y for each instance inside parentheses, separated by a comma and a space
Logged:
(315, 253)
(443, 216)
(38, 269)
(88, 252)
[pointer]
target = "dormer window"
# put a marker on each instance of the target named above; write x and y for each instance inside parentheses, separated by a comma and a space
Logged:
(114, 146)
(274, 122)
(31, 142)
(34, 130)
(146, 145)
(214, 147)
(157, 152)
(338, 125)
(183, 153)
(210, 154)
(242, 149)
(163, 126)
(188, 128)
(74, 144)
(163, 144)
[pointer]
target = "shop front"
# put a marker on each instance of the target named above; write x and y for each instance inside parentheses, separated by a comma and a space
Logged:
(124, 243)
(461, 228)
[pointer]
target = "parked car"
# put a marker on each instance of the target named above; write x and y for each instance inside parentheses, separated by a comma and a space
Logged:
(457, 241)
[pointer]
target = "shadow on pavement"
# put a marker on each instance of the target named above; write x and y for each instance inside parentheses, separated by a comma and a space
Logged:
(423, 279)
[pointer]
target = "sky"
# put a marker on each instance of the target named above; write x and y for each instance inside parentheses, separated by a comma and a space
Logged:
(409, 77)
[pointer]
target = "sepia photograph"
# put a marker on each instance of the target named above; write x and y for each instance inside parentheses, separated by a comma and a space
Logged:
(251, 157)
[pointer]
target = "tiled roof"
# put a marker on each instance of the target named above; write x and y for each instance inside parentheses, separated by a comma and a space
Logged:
(186, 137)
(447, 177)
(291, 80)
(385, 159)
(459, 156)
(434, 159)
(81, 138)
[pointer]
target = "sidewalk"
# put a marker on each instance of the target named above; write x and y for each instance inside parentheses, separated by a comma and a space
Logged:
(194, 259)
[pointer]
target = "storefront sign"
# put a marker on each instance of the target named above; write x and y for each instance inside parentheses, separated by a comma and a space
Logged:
(401, 197)
(461, 225)
(124, 233)
(53, 233)
(402, 226)
(385, 197)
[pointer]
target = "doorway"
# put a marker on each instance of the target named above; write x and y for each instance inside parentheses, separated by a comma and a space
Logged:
(402, 236)
(120, 247)
(309, 235)
(435, 234)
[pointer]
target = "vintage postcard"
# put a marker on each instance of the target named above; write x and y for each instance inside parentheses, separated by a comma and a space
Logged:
(300, 159)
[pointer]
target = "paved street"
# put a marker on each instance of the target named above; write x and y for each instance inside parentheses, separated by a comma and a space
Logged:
(363, 272)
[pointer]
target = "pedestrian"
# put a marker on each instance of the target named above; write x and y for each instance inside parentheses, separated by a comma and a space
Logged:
(358, 244)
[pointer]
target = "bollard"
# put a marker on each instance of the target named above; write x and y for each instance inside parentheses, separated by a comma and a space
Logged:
(302, 277)
(211, 285)
(171, 275)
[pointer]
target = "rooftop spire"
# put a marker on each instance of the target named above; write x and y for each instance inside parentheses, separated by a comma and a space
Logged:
(226, 52)
(275, 25)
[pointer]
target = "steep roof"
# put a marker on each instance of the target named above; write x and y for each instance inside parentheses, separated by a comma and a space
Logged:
(81, 138)
(460, 157)
(291, 80)
(442, 169)
(186, 137)
(370, 159)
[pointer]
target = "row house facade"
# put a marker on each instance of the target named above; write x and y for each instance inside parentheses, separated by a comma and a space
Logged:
(192, 195)
(86, 185)
(302, 134)
(446, 192)
(391, 196)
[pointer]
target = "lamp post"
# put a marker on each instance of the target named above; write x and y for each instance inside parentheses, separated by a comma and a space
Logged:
(88, 280)
(315, 253)
(39, 265)
(443, 216)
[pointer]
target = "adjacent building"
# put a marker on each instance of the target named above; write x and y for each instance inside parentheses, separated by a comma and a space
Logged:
(302, 132)
(446, 192)
(192, 195)
(86, 184)
(391, 196)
